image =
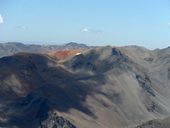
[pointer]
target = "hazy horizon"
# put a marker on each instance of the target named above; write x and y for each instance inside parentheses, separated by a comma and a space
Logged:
(105, 22)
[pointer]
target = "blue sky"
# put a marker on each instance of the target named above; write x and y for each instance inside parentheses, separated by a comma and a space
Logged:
(94, 22)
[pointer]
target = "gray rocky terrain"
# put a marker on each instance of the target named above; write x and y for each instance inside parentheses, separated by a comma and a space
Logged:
(157, 123)
(104, 87)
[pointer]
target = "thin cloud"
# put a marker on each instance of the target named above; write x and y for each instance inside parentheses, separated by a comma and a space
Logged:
(21, 27)
(85, 30)
(1, 19)
(95, 31)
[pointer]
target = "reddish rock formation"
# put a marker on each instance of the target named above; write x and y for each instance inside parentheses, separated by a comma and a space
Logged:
(65, 54)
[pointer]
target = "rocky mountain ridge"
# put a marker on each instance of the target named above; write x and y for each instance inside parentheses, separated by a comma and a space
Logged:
(11, 48)
(104, 87)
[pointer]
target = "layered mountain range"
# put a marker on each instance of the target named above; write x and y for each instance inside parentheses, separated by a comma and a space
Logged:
(11, 48)
(101, 87)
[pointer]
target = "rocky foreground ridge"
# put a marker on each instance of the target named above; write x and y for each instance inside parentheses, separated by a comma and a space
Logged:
(104, 87)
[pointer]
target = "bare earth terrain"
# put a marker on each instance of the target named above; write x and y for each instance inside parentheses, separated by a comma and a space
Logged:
(104, 87)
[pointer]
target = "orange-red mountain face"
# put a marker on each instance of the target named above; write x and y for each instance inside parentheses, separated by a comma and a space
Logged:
(63, 54)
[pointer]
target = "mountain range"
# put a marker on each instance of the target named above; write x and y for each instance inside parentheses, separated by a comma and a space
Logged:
(100, 87)
(10, 48)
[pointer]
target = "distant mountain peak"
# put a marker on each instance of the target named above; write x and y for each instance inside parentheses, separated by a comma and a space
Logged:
(74, 44)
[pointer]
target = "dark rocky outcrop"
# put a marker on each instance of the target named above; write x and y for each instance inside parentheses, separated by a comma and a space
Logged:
(145, 84)
(55, 121)
(157, 123)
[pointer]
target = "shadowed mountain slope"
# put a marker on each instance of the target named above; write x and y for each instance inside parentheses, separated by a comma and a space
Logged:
(106, 87)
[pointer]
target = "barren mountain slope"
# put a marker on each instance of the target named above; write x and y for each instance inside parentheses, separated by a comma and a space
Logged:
(157, 123)
(130, 73)
(107, 87)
